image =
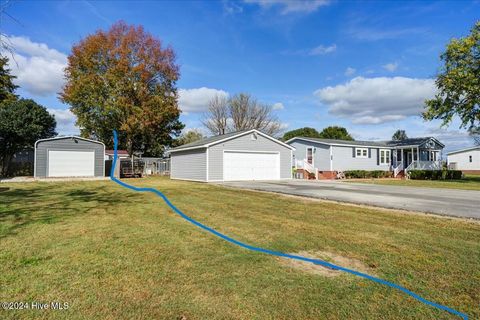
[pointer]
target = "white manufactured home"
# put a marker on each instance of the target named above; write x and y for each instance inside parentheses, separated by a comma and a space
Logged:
(467, 160)
(244, 155)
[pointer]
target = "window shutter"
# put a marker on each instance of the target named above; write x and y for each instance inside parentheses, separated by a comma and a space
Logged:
(354, 152)
(369, 152)
(378, 157)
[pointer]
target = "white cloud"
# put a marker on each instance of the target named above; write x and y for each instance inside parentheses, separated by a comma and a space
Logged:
(65, 121)
(39, 69)
(453, 139)
(377, 100)
(377, 120)
(278, 106)
(196, 100)
(231, 7)
(320, 50)
(390, 66)
(381, 33)
(291, 6)
(350, 71)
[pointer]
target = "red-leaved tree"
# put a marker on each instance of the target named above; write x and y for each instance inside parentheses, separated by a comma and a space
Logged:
(124, 79)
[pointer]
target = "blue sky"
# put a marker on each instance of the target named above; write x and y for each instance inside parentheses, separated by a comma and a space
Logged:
(363, 65)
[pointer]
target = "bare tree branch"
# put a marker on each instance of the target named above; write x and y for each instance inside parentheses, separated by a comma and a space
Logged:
(216, 118)
(241, 112)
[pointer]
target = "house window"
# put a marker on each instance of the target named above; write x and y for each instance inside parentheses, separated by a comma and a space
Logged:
(470, 158)
(384, 156)
(253, 136)
(310, 155)
(361, 152)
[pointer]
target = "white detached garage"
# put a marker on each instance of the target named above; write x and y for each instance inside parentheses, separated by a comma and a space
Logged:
(244, 155)
(69, 157)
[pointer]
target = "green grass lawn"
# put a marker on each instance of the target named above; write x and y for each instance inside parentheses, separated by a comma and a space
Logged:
(115, 254)
(470, 182)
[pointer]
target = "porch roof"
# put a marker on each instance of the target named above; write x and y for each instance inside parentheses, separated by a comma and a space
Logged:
(412, 142)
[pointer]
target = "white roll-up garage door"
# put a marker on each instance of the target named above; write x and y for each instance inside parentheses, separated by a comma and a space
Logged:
(71, 163)
(239, 165)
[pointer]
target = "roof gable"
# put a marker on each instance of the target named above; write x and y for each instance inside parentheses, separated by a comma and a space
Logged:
(210, 141)
(69, 137)
(464, 150)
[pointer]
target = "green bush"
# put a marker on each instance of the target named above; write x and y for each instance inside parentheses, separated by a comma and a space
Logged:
(364, 174)
(435, 174)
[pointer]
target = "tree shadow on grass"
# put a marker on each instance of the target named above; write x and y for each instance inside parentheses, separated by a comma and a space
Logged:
(51, 204)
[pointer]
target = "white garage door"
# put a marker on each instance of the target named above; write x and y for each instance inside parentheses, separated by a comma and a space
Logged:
(71, 163)
(251, 166)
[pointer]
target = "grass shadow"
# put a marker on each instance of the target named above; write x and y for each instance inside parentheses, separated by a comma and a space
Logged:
(46, 204)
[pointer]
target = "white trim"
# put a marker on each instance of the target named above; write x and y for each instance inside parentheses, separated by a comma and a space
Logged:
(406, 146)
(186, 149)
(291, 165)
(233, 137)
(313, 155)
(464, 150)
(206, 165)
(253, 151)
(361, 156)
(384, 157)
(69, 137)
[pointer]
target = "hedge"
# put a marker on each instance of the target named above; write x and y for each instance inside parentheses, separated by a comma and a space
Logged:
(435, 174)
(364, 174)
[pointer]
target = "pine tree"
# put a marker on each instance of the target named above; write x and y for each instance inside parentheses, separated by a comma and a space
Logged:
(7, 87)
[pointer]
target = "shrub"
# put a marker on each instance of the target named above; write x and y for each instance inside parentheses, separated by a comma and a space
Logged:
(435, 174)
(364, 174)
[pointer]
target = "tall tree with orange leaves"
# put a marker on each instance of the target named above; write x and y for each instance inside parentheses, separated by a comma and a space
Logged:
(124, 79)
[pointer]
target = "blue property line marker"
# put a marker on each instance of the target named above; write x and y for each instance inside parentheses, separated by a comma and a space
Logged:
(273, 253)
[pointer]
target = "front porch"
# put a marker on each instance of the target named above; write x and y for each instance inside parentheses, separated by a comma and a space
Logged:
(415, 158)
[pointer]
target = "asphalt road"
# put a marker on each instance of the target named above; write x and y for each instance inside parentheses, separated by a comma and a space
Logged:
(451, 202)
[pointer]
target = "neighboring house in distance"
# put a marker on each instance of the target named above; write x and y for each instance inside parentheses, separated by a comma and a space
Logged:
(121, 154)
(325, 157)
(243, 155)
(467, 160)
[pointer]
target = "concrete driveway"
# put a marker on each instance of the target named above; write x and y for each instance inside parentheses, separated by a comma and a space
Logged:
(459, 203)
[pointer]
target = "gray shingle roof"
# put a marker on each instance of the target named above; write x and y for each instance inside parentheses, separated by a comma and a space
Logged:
(390, 143)
(208, 140)
(347, 142)
(409, 142)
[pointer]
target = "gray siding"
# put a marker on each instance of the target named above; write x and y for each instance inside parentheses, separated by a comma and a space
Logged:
(342, 157)
(189, 165)
(343, 160)
(245, 143)
(67, 143)
(321, 158)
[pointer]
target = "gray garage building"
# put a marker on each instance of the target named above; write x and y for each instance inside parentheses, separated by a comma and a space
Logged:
(244, 155)
(69, 157)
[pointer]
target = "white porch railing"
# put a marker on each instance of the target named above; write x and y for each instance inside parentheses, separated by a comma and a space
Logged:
(398, 169)
(424, 165)
(303, 164)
